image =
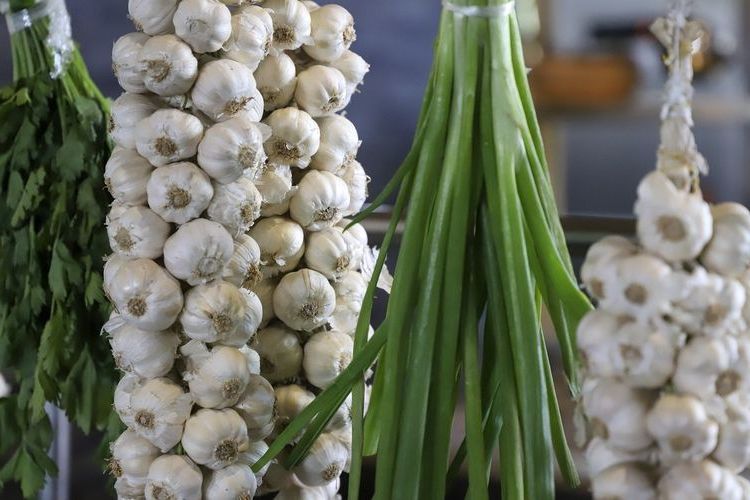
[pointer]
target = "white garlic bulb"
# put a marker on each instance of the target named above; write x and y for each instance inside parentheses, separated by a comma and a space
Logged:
(179, 192)
(280, 352)
(224, 89)
(125, 62)
(295, 137)
(126, 113)
(356, 181)
(276, 77)
(324, 463)
(153, 17)
(278, 478)
(644, 354)
(198, 251)
(126, 175)
(327, 354)
(291, 22)
(221, 312)
(251, 37)
(204, 24)
(231, 483)
(243, 269)
(125, 387)
(131, 457)
(321, 201)
(699, 480)
(215, 438)
(274, 184)
(617, 413)
(332, 33)
(136, 232)
(339, 143)
(341, 421)
(112, 264)
(167, 136)
(728, 252)
(290, 401)
(127, 489)
(345, 315)
(682, 429)
(264, 290)
(330, 253)
(145, 295)
(304, 300)
(236, 206)
(157, 411)
(146, 354)
(321, 90)
(232, 147)
(733, 448)
(351, 286)
(257, 406)
(711, 306)
(673, 224)
(626, 481)
(311, 6)
(216, 377)
(597, 271)
(282, 244)
(354, 68)
(174, 476)
(713, 368)
(596, 338)
(357, 231)
(600, 456)
(169, 66)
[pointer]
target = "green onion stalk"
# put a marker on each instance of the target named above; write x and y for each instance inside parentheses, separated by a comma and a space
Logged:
(53, 141)
(481, 254)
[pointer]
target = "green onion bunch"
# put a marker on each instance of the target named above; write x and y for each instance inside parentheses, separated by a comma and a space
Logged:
(53, 141)
(482, 253)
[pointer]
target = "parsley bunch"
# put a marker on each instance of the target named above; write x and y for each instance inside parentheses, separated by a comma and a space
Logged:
(53, 144)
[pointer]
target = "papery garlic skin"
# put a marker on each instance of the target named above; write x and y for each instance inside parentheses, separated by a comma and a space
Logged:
(224, 89)
(145, 295)
(131, 457)
(295, 137)
(728, 252)
(291, 22)
(221, 312)
(332, 33)
(324, 463)
(256, 406)
(167, 136)
(320, 91)
(157, 411)
(276, 77)
(321, 201)
(216, 377)
(304, 300)
(198, 251)
(126, 175)
(327, 354)
(169, 66)
(174, 476)
(597, 270)
(282, 244)
(339, 143)
(125, 62)
(625, 481)
(153, 17)
(280, 353)
(146, 354)
(232, 147)
(136, 232)
(251, 37)
(231, 483)
(179, 192)
(243, 269)
(126, 113)
(356, 181)
(354, 68)
(274, 183)
(699, 480)
(673, 224)
(290, 401)
(204, 24)
(236, 206)
(215, 438)
(330, 253)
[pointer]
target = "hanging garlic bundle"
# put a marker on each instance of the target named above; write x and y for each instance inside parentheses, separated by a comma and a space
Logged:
(667, 352)
(235, 280)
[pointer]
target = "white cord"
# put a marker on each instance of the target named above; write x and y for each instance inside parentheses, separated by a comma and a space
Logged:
(491, 11)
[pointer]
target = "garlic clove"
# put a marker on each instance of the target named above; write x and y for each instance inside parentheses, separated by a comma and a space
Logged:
(215, 438)
(321, 90)
(291, 22)
(257, 407)
(276, 77)
(179, 192)
(304, 300)
(295, 137)
(168, 65)
(236, 205)
(126, 175)
(167, 136)
(125, 62)
(174, 476)
(198, 251)
(153, 17)
(321, 201)
(280, 353)
(332, 32)
(728, 252)
(324, 463)
(251, 37)
(232, 147)
(224, 89)
(327, 354)
(204, 24)
(126, 113)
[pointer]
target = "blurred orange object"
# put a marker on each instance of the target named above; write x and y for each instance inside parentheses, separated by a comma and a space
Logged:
(582, 81)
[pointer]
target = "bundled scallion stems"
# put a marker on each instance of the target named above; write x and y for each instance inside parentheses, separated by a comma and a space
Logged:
(482, 250)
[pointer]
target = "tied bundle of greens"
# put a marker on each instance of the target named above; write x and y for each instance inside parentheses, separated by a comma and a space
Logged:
(53, 142)
(482, 251)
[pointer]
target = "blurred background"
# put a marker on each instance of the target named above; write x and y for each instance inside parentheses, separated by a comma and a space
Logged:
(596, 74)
